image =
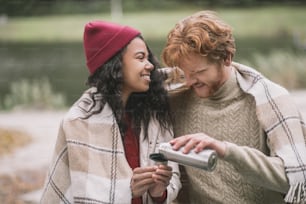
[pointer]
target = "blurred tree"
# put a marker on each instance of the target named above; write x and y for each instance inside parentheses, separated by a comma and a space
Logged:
(43, 7)
(116, 9)
(14, 7)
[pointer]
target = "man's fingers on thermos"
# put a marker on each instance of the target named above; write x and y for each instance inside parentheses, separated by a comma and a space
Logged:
(189, 146)
(177, 143)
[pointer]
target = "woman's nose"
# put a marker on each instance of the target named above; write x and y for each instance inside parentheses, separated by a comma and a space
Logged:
(149, 65)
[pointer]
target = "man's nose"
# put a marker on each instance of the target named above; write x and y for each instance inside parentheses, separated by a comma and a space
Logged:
(190, 79)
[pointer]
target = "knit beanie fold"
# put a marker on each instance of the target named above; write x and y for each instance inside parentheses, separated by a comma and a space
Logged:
(102, 40)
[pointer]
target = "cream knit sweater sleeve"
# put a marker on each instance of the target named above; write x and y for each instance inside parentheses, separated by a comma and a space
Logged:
(257, 168)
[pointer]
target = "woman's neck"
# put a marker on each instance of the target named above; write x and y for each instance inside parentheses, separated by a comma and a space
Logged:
(124, 98)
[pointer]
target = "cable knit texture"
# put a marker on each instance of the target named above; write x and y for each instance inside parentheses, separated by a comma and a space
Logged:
(246, 174)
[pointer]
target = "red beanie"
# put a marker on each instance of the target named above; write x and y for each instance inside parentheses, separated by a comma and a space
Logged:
(102, 40)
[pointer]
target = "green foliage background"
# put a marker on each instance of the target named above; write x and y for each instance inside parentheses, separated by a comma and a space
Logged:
(270, 38)
(55, 7)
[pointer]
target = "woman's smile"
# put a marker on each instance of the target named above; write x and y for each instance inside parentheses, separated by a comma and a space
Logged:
(146, 77)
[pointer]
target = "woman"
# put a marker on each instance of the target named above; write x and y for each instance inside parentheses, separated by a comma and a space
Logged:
(104, 142)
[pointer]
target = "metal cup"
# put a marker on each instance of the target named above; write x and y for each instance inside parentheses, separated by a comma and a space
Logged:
(159, 158)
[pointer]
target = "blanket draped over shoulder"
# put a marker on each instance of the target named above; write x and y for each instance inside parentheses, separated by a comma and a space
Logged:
(89, 163)
(278, 116)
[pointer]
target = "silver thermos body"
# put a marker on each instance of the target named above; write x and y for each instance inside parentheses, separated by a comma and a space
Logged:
(206, 159)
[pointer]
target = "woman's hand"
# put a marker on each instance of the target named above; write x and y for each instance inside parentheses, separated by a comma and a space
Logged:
(142, 180)
(154, 179)
(161, 177)
(198, 142)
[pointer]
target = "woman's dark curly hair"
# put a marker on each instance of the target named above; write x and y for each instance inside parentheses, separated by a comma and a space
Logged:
(108, 80)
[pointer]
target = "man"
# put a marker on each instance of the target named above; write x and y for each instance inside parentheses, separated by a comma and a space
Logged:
(251, 122)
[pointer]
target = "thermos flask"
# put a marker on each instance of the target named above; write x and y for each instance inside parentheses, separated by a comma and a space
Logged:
(206, 159)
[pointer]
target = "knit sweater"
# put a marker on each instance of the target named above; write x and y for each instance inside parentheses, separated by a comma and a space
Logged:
(230, 115)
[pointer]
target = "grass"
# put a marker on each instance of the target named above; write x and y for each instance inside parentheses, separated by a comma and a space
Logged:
(69, 28)
(37, 94)
(51, 46)
(255, 29)
(263, 21)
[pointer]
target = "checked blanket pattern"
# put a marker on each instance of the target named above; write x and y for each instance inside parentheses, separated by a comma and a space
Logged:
(89, 163)
(283, 125)
(278, 116)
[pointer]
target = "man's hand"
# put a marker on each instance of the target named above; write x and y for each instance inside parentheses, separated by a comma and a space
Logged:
(198, 142)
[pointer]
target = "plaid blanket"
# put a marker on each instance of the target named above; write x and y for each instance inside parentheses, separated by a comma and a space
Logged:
(89, 163)
(279, 117)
